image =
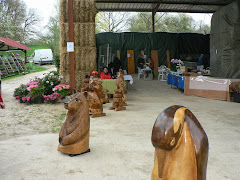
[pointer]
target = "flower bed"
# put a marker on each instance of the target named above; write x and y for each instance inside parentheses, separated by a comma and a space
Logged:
(47, 89)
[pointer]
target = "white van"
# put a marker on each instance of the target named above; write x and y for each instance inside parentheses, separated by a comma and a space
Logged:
(43, 56)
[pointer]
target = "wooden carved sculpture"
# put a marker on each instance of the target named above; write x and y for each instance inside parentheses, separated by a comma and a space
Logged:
(181, 146)
(105, 97)
(74, 134)
(121, 86)
(118, 94)
(124, 99)
(96, 101)
(86, 85)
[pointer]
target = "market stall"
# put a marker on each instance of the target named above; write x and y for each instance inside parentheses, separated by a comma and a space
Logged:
(208, 87)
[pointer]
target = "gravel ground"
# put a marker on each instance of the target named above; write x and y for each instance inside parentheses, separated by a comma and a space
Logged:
(120, 142)
(20, 119)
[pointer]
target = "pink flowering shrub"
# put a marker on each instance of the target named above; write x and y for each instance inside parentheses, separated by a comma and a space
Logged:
(52, 97)
(46, 87)
(31, 85)
(62, 89)
(25, 99)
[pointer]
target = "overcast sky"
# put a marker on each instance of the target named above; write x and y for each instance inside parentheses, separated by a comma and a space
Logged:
(46, 7)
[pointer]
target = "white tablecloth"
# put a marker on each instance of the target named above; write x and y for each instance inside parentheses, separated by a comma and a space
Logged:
(128, 78)
(210, 83)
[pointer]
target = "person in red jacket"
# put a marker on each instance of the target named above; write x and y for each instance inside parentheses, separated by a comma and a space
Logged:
(105, 74)
(2, 106)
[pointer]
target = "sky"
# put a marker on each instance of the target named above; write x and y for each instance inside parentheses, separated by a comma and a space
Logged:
(46, 7)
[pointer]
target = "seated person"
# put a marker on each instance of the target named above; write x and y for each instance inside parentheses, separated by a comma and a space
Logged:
(140, 61)
(105, 74)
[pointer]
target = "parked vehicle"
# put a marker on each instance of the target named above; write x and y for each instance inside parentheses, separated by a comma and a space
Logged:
(43, 56)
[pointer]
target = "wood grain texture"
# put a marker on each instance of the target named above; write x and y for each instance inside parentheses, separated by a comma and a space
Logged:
(131, 63)
(181, 146)
(119, 96)
(74, 133)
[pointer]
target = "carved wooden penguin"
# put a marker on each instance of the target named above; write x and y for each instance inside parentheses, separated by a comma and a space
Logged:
(181, 146)
(74, 134)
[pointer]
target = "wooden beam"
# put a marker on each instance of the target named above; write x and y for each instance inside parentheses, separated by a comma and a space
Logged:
(166, 2)
(160, 10)
(153, 22)
(71, 39)
(153, 14)
(156, 7)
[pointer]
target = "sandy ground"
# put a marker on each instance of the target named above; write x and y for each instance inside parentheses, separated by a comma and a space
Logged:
(120, 142)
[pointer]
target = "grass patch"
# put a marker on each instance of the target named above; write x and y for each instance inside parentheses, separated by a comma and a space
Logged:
(34, 47)
(37, 69)
(59, 122)
(29, 52)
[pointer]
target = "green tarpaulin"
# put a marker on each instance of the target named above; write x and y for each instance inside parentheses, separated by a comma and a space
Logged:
(180, 45)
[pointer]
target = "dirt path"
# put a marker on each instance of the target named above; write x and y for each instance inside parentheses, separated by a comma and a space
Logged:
(120, 142)
(19, 119)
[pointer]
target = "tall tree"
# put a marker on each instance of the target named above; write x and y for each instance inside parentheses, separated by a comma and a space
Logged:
(164, 22)
(203, 28)
(52, 35)
(111, 21)
(15, 22)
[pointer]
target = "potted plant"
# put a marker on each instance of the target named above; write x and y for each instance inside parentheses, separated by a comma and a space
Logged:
(235, 91)
(175, 63)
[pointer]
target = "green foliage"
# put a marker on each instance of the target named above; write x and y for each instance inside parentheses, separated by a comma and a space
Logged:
(15, 21)
(49, 82)
(164, 22)
(52, 37)
(57, 61)
(35, 47)
(37, 92)
(37, 69)
(21, 91)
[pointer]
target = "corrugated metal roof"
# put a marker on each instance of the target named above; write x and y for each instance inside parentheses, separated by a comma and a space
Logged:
(12, 43)
(191, 6)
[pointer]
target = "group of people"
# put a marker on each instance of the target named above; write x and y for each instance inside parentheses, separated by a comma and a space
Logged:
(111, 71)
(150, 64)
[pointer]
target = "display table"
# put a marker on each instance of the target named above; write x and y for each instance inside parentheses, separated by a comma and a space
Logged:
(208, 87)
(110, 84)
(176, 79)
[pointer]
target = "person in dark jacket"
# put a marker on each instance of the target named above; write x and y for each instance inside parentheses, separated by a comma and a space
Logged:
(140, 61)
(2, 105)
(116, 65)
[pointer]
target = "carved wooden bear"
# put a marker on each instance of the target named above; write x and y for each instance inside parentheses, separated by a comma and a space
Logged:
(74, 134)
(181, 146)
(118, 94)
(96, 101)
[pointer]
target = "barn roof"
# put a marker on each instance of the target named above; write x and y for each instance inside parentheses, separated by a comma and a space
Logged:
(11, 44)
(190, 6)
